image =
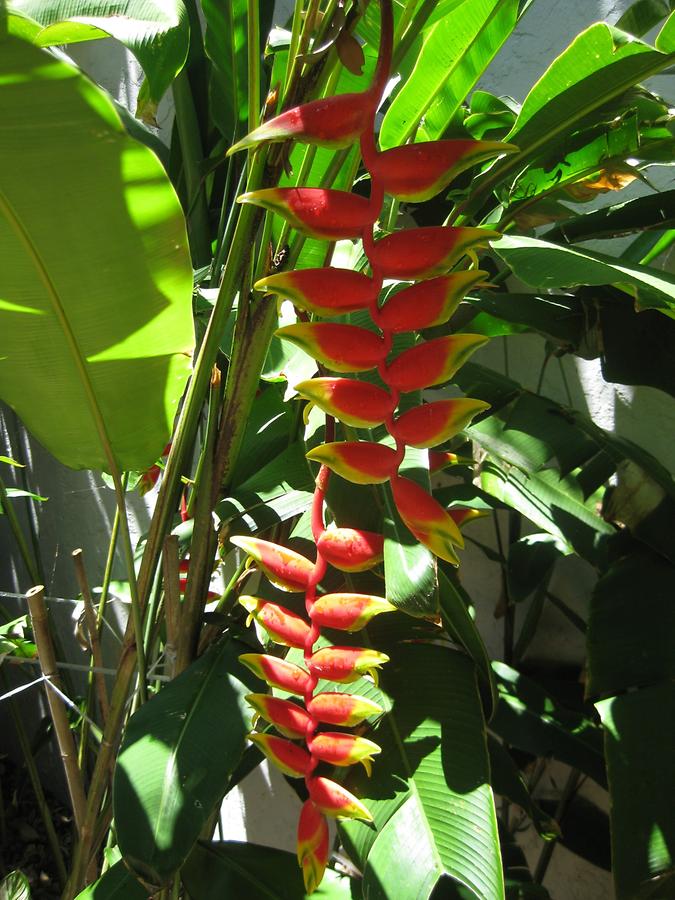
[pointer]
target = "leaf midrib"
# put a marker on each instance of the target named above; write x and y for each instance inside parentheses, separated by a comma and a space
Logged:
(58, 310)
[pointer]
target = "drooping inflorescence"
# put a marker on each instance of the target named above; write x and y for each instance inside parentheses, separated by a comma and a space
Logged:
(424, 256)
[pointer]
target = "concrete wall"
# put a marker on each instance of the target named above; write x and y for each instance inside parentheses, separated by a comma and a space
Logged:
(80, 509)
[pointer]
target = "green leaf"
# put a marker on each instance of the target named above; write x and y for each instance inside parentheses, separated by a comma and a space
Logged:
(642, 213)
(231, 869)
(455, 52)
(458, 621)
(546, 265)
(665, 39)
(116, 884)
(429, 793)
(557, 317)
(19, 492)
(631, 627)
(643, 15)
(177, 757)
(15, 886)
(600, 63)
(11, 462)
(530, 719)
(157, 34)
(639, 739)
(529, 563)
(101, 296)
(225, 45)
(409, 568)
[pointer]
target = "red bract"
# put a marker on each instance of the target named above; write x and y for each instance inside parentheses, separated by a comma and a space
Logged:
(287, 757)
(343, 348)
(417, 172)
(342, 709)
(330, 122)
(286, 569)
(313, 849)
(287, 717)
(425, 252)
(348, 612)
(351, 550)
(277, 672)
(356, 403)
(326, 292)
(357, 461)
(433, 423)
(428, 303)
(316, 212)
(282, 625)
(346, 664)
(427, 519)
(334, 800)
(432, 362)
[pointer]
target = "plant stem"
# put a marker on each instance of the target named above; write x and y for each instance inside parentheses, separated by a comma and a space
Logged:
(566, 797)
(26, 556)
(253, 46)
(64, 736)
(92, 630)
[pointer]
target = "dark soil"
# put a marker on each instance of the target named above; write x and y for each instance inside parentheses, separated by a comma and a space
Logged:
(23, 838)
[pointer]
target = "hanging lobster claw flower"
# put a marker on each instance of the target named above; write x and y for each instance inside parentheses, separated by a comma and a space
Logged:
(332, 122)
(277, 672)
(313, 849)
(351, 550)
(282, 625)
(335, 801)
(462, 515)
(417, 172)
(425, 252)
(316, 212)
(285, 568)
(361, 462)
(426, 519)
(356, 403)
(339, 749)
(326, 292)
(287, 717)
(336, 708)
(343, 348)
(428, 303)
(433, 423)
(441, 459)
(290, 758)
(346, 664)
(348, 612)
(432, 362)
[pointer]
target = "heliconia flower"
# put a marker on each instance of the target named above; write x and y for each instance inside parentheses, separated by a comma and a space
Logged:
(361, 462)
(277, 672)
(285, 568)
(432, 362)
(431, 524)
(335, 801)
(287, 717)
(339, 749)
(282, 625)
(290, 758)
(316, 212)
(326, 292)
(149, 479)
(417, 172)
(348, 612)
(425, 252)
(331, 122)
(433, 423)
(343, 348)
(351, 550)
(313, 849)
(346, 664)
(336, 708)
(441, 459)
(462, 515)
(356, 403)
(428, 303)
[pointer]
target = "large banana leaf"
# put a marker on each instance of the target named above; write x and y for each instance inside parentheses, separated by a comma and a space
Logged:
(225, 45)
(176, 760)
(157, 33)
(455, 52)
(429, 792)
(95, 279)
(116, 884)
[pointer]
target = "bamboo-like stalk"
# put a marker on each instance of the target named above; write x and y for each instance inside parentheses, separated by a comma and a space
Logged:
(92, 631)
(64, 736)
(15, 527)
(172, 607)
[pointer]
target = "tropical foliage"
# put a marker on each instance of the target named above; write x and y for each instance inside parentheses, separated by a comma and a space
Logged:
(349, 162)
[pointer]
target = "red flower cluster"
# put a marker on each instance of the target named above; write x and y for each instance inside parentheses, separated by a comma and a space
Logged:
(424, 255)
